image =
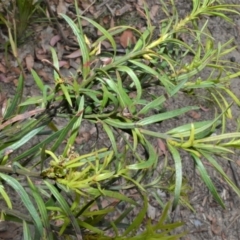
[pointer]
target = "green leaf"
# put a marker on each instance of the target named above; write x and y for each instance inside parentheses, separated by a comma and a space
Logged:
(134, 78)
(141, 42)
(56, 65)
(149, 162)
(26, 201)
(164, 116)
(164, 215)
(205, 177)
(82, 44)
(23, 140)
(38, 146)
(66, 93)
(13, 108)
(111, 194)
(215, 164)
(76, 127)
(37, 80)
(106, 33)
(32, 101)
(64, 206)
(178, 174)
(111, 136)
(119, 123)
(42, 209)
(90, 227)
(219, 137)
(213, 148)
(5, 197)
(64, 132)
(139, 218)
(26, 231)
(124, 99)
(202, 129)
(152, 104)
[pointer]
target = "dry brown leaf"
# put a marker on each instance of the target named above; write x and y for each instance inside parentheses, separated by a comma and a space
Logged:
(153, 12)
(39, 51)
(64, 64)
(106, 19)
(106, 44)
(54, 40)
(112, 23)
(216, 229)
(2, 68)
(140, 11)
(60, 50)
(126, 113)
(45, 37)
(99, 33)
(123, 10)
(3, 78)
(3, 97)
(238, 162)
(97, 14)
(132, 94)
(151, 212)
(43, 75)
(84, 23)
(16, 70)
(74, 63)
(140, 3)
(15, 81)
(74, 54)
(194, 114)
(29, 62)
(127, 38)
(184, 37)
(59, 222)
(21, 117)
(161, 147)
(41, 56)
(83, 138)
(91, 10)
(204, 109)
(61, 7)
(224, 237)
(86, 4)
(106, 60)
(141, 27)
(4, 104)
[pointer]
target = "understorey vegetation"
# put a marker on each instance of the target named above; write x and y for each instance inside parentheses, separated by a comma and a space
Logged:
(77, 195)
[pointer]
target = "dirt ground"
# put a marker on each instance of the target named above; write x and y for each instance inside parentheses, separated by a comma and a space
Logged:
(209, 221)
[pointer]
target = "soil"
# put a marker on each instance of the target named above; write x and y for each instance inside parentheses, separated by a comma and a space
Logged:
(209, 221)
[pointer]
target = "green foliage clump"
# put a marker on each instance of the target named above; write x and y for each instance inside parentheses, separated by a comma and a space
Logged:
(72, 184)
(15, 15)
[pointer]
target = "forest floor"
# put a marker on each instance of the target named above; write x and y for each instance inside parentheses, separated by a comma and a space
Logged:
(209, 221)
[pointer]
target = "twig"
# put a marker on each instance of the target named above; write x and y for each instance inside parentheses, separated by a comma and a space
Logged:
(21, 117)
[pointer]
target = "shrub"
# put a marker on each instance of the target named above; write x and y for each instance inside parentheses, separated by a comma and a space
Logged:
(71, 184)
